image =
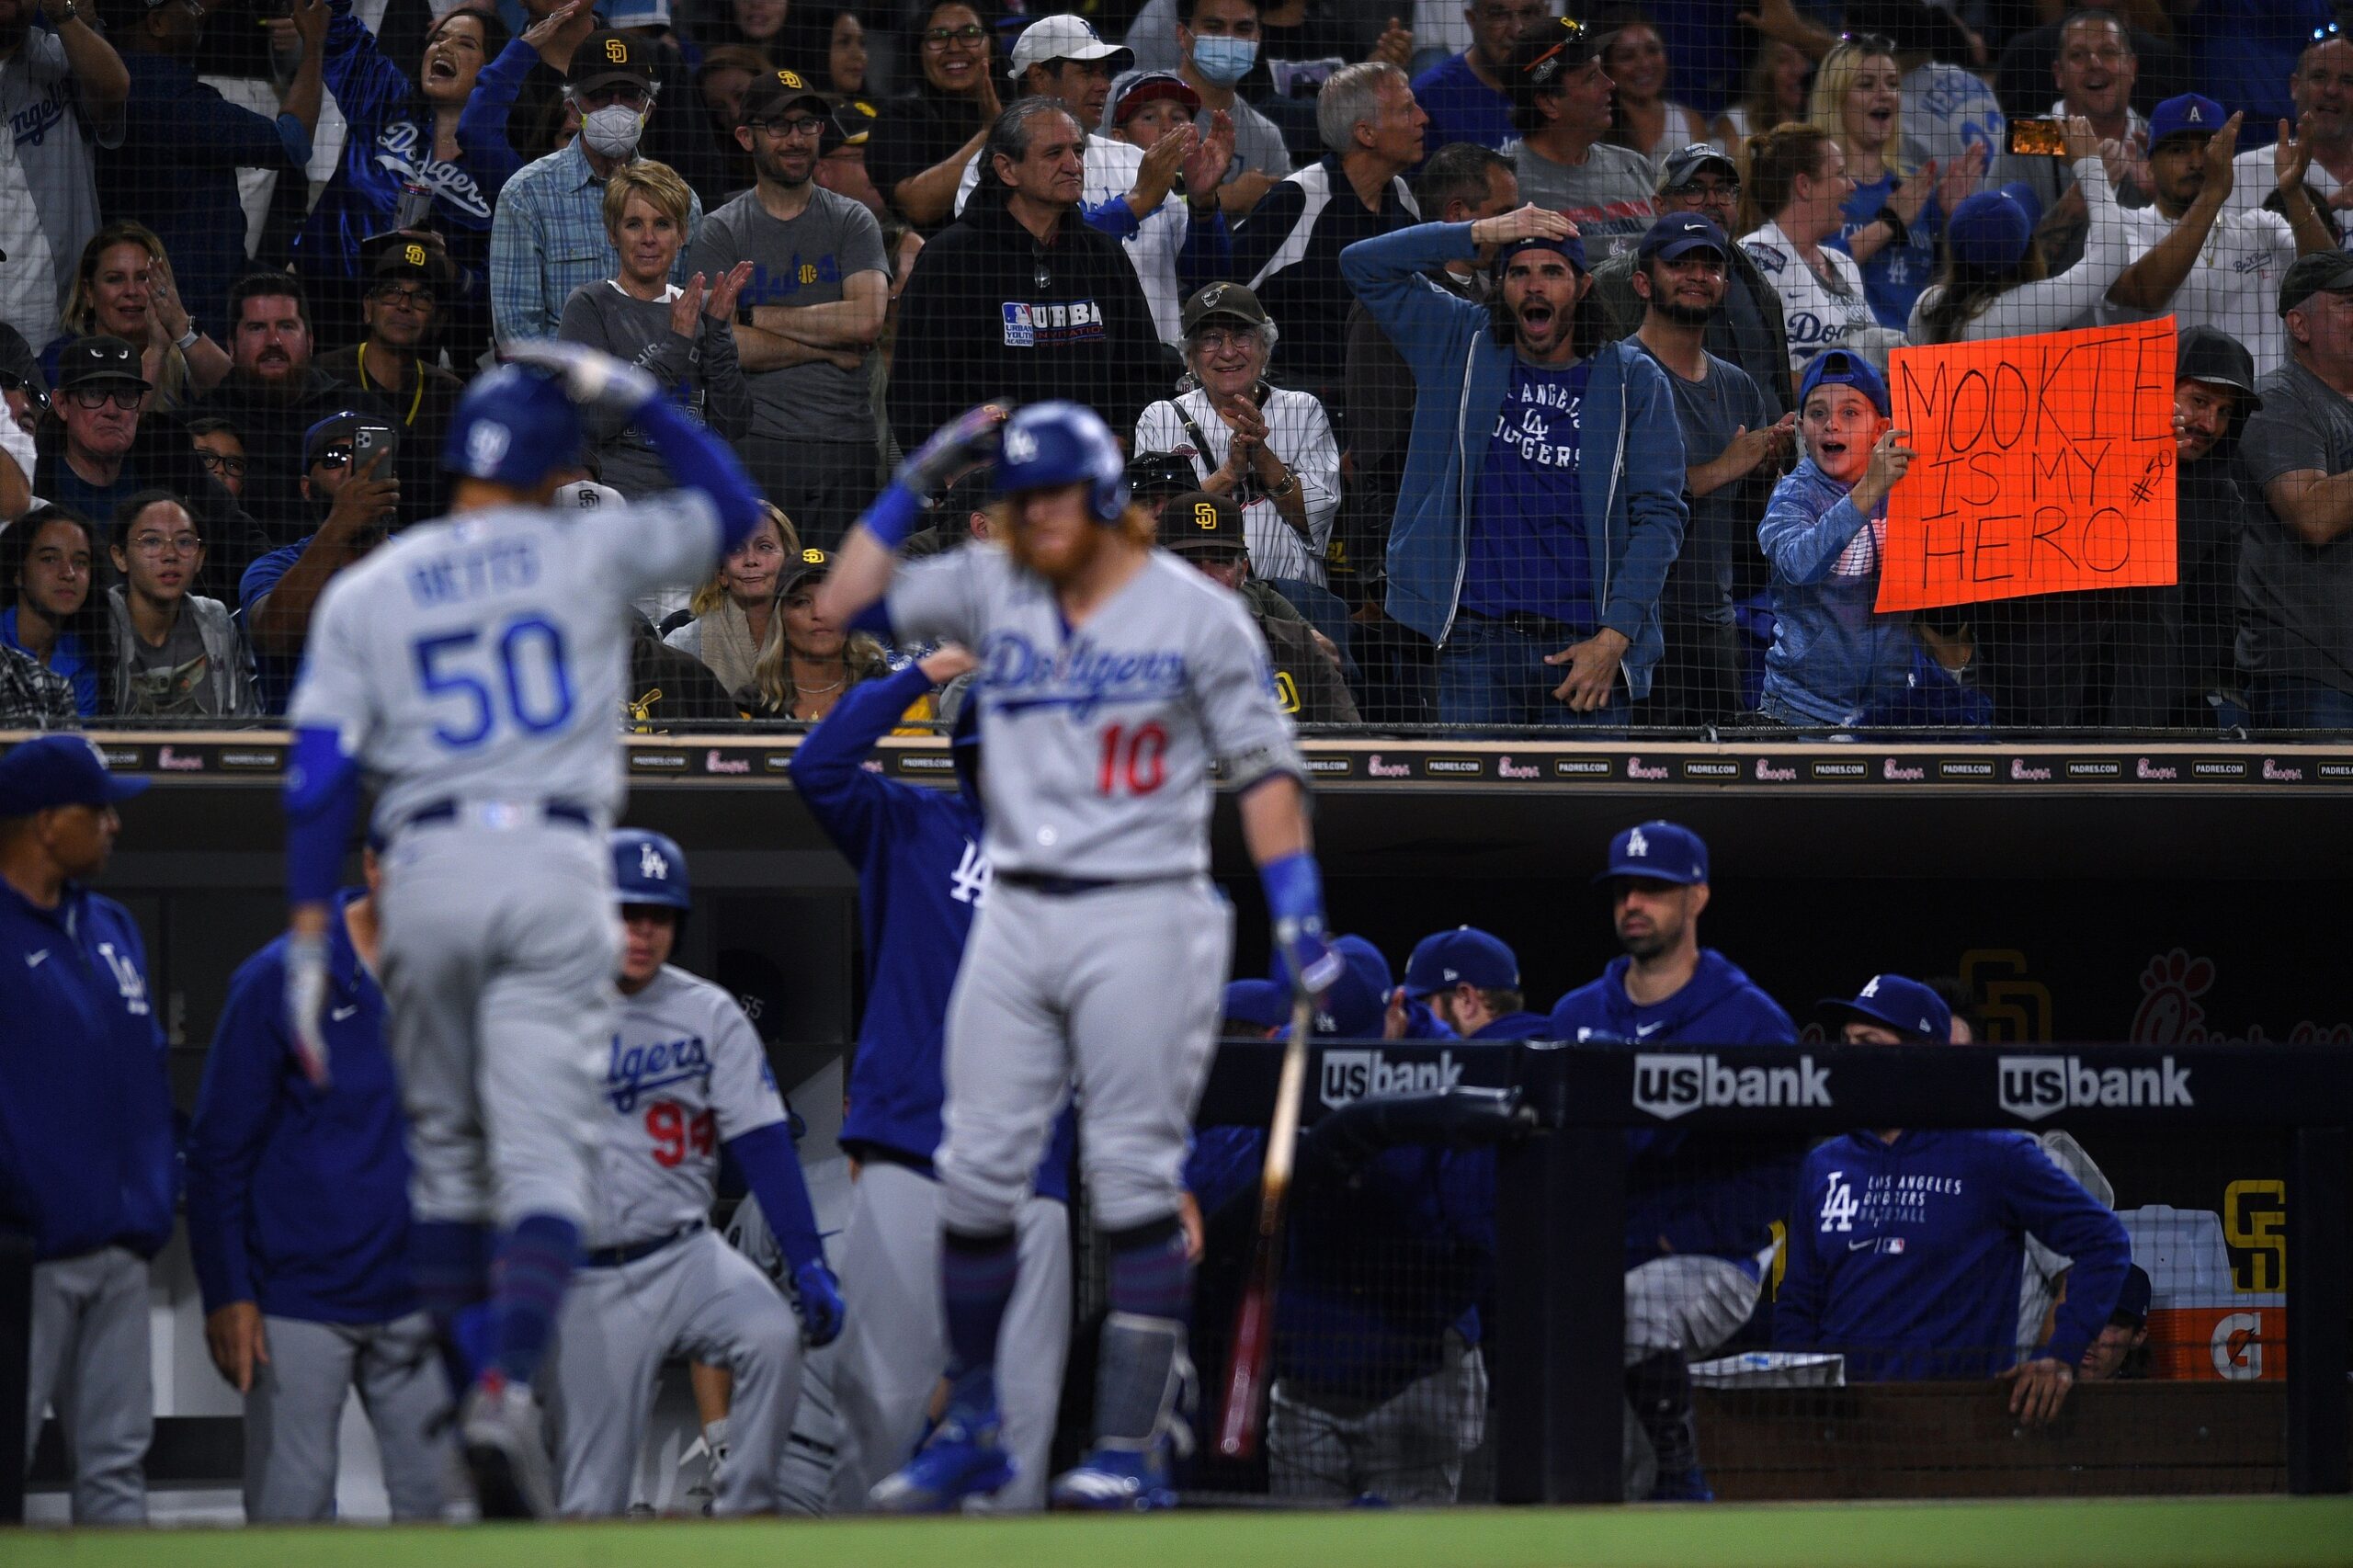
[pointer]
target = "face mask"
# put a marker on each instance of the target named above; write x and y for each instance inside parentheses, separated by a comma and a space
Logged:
(1224, 61)
(612, 132)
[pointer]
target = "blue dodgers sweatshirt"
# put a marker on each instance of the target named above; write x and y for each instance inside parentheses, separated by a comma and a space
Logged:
(1905, 1255)
(921, 876)
(1712, 1192)
(85, 1102)
(297, 1196)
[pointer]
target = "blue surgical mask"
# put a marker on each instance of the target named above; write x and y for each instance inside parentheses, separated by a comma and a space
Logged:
(1224, 61)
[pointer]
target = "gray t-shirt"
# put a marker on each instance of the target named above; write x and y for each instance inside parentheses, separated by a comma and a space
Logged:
(173, 680)
(1699, 586)
(1100, 738)
(804, 262)
(1608, 196)
(1258, 146)
(2298, 597)
(700, 372)
(52, 139)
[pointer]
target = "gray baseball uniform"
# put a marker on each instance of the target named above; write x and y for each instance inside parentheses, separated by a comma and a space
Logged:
(294, 1416)
(685, 1073)
(1099, 741)
(473, 666)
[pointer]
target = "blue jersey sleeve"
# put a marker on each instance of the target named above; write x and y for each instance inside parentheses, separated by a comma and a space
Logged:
(772, 1168)
(2051, 1205)
(851, 804)
(236, 1108)
(367, 85)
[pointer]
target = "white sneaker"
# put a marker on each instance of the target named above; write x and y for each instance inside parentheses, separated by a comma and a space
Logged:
(506, 1451)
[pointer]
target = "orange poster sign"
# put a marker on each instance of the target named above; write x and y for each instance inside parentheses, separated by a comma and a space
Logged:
(2046, 466)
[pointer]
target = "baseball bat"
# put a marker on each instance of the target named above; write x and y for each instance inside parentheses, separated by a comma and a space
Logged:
(1252, 1351)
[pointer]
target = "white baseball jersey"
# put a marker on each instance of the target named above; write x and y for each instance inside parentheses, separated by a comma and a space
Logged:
(1817, 316)
(482, 657)
(1099, 738)
(2233, 286)
(687, 1073)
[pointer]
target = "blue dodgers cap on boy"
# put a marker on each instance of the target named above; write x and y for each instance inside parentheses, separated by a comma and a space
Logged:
(1904, 1005)
(59, 770)
(1464, 955)
(1838, 367)
(1661, 850)
(1677, 234)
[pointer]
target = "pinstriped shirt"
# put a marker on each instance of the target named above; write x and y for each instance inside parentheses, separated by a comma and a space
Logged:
(547, 238)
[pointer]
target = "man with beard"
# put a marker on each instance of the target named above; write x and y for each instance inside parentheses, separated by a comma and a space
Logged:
(61, 89)
(807, 322)
(1730, 442)
(274, 394)
(1544, 599)
(1700, 1206)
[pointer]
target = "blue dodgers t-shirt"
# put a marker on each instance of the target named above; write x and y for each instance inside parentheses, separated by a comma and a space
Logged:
(1895, 277)
(1461, 108)
(1527, 550)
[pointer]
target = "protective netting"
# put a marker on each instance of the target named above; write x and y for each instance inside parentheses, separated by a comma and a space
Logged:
(1480, 477)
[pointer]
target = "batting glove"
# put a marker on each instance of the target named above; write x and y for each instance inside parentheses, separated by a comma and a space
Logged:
(817, 1297)
(306, 1004)
(1295, 898)
(590, 378)
(968, 440)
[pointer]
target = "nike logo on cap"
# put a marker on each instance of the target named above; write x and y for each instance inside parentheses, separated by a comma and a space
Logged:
(33, 959)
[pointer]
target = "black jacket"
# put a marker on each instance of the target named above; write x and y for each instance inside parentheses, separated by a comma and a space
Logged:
(989, 313)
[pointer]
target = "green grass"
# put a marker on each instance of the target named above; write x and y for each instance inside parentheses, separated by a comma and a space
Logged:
(2264, 1532)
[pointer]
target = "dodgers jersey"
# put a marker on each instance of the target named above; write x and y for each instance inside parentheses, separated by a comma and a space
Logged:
(685, 1075)
(482, 657)
(1100, 737)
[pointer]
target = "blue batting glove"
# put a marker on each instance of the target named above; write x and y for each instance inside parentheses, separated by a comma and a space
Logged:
(1295, 898)
(817, 1297)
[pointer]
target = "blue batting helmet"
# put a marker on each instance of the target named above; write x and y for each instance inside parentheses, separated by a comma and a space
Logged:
(649, 867)
(1048, 444)
(514, 426)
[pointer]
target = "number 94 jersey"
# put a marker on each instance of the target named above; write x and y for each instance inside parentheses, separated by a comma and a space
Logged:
(685, 1075)
(482, 657)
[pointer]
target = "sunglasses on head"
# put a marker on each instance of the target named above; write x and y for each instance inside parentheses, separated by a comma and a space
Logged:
(1868, 44)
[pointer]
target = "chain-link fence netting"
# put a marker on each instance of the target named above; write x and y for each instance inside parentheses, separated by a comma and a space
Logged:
(1884, 365)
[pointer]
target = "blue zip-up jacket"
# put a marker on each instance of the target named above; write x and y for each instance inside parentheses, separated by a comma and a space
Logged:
(391, 144)
(1905, 1255)
(297, 1196)
(921, 875)
(1629, 472)
(1833, 655)
(86, 1158)
(1712, 1192)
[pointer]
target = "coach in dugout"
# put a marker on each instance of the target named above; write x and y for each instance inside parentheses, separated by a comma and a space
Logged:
(87, 1166)
(1905, 1245)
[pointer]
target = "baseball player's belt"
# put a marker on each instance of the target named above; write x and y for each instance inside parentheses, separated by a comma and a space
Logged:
(500, 814)
(1063, 887)
(614, 1257)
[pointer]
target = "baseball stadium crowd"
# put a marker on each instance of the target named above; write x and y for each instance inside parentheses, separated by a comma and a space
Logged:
(1518, 368)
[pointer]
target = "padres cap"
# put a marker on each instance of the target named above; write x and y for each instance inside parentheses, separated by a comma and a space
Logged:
(770, 96)
(1659, 850)
(399, 259)
(1904, 1005)
(1198, 520)
(851, 125)
(59, 770)
(1229, 300)
(813, 564)
(101, 358)
(608, 56)
(1464, 955)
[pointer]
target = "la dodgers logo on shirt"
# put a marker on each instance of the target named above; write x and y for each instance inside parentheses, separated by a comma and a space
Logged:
(1079, 675)
(126, 980)
(636, 1071)
(1548, 440)
(398, 154)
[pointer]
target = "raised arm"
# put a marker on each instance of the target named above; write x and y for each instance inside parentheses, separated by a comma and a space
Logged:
(862, 571)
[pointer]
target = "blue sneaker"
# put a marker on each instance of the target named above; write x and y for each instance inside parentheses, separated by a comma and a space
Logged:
(1682, 1486)
(959, 1459)
(1119, 1480)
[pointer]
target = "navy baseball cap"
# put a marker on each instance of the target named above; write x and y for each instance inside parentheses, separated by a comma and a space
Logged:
(2191, 114)
(2132, 1302)
(1358, 1003)
(1464, 955)
(59, 770)
(1904, 1005)
(1572, 247)
(1839, 368)
(1266, 1003)
(1659, 850)
(1677, 234)
(1994, 227)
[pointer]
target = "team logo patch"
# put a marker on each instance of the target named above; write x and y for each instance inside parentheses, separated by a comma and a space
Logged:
(617, 52)
(1018, 334)
(1204, 516)
(413, 255)
(486, 445)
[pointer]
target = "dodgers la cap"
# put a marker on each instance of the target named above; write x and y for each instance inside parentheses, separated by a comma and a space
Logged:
(48, 771)
(2191, 114)
(1266, 1003)
(1464, 955)
(1904, 1005)
(1659, 850)
(2132, 1302)
(1992, 228)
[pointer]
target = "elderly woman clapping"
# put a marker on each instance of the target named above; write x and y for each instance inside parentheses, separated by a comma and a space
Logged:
(1268, 448)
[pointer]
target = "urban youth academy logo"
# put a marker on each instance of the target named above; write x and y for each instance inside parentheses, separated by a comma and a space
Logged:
(2035, 1086)
(1667, 1087)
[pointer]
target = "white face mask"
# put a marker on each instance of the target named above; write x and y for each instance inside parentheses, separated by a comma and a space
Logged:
(612, 132)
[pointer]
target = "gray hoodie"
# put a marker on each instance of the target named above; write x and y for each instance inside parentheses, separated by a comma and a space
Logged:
(229, 664)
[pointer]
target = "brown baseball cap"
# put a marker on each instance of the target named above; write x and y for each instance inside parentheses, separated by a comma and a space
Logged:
(1198, 520)
(608, 56)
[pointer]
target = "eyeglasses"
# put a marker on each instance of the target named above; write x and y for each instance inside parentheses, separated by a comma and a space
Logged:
(92, 399)
(969, 35)
(1217, 339)
(165, 544)
(786, 129)
(221, 464)
(411, 295)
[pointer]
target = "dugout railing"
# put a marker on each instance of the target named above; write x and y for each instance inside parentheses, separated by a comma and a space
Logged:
(1560, 1205)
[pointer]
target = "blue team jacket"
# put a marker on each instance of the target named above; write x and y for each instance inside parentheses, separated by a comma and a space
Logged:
(85, 1102)
(921, 875)
(1694, 1192)
(1833, 655)
(1630, 471)
(1905, 1255)
(297, 1196)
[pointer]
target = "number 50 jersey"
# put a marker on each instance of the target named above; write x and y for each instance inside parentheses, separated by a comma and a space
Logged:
(482, 657)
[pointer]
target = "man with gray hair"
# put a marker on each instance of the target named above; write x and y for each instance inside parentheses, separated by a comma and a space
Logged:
(1288, 249)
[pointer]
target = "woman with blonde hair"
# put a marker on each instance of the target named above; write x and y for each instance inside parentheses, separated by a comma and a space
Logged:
(806, 663)
(732, 609)
(123, 288)
(1891, 223)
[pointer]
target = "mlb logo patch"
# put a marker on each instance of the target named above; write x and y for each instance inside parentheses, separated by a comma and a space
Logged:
(1020, 329)
(1892, 1244)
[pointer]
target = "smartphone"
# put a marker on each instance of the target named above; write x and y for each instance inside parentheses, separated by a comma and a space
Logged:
(368, 441)
(2039, 136)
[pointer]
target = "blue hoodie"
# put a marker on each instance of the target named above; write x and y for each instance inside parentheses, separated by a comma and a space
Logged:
(1712, 1192)
(921, 875)
(1905, 1255)
(1629, 465)
(1833, 655)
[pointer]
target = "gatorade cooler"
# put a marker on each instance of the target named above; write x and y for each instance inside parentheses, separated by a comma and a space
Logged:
(2200, 1325)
